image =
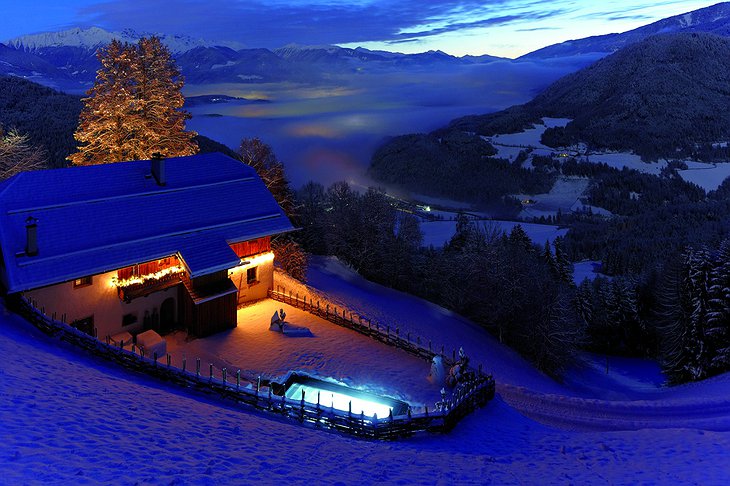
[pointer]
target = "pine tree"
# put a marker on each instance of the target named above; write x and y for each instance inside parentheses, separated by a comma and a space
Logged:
(718, 316)
(159, 101)
(563, 267)
(134, 108)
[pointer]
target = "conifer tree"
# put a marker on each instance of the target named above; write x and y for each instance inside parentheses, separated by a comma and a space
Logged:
(718, 317)
(134, 108)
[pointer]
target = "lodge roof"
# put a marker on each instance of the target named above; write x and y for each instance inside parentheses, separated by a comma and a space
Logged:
(95, 219)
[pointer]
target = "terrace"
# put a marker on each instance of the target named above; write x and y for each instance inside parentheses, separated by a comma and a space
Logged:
(333, 353)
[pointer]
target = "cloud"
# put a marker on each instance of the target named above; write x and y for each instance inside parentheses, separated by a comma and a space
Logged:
(272, 24)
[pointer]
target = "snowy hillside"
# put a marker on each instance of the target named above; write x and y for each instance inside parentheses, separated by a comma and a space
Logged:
(71, 418)
(94, 37)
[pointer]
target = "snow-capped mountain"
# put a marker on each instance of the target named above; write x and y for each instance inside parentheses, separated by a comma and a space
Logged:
(94, 37)
(714, 20)
(67, 59)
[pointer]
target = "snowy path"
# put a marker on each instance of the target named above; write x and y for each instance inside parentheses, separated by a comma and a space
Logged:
(584, 414)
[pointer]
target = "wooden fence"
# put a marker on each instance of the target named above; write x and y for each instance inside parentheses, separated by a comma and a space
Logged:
(249, 392)
(412, 344)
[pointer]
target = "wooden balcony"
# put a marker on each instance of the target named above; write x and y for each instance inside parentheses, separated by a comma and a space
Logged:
(130, 292)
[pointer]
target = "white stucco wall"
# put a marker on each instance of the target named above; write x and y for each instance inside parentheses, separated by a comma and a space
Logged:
(259, 290)
(101, 300)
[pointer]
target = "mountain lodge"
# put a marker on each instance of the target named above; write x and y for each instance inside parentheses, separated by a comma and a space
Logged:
(122, 247)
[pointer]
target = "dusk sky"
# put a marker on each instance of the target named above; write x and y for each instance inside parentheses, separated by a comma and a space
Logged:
(507, 28)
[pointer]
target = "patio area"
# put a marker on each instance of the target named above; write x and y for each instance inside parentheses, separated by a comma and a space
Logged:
(331, 352)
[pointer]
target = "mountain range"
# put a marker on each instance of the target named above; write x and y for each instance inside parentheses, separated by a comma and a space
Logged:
(666, 96)
(67, 59)
(714, 19)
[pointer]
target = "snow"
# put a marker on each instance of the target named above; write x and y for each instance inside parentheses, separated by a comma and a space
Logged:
(94, 37)
(436, 233)
(69, 417)
(255, 350)
(585, 270)
(563, 197)
(509, 145)
(707, 176)
(619, 160)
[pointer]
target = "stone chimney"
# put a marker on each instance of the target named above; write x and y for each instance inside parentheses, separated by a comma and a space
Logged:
(158, 169)
(31, 236)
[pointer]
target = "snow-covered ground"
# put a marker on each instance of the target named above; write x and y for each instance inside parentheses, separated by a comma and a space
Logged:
(509, 145)
(619, 160)
(707, 176)
(73, 419)
(255, 350)
(563, 196)
(436, 233)
(585, 270)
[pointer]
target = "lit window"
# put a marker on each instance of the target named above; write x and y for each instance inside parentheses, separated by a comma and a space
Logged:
(251, 275)
(82, 282)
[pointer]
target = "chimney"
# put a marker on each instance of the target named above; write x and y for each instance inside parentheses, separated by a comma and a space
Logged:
(158, 169)
(31, 236)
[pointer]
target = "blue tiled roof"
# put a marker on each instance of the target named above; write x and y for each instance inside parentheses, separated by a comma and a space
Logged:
(99, 218)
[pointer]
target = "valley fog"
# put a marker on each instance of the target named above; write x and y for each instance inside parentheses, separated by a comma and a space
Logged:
(329, 131)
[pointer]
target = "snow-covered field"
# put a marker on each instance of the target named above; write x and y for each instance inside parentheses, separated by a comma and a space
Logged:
(436, 233)
(707, 176)
(509, 145)
(619, 160)
(564, 197)
(68, 418)
(585, 270)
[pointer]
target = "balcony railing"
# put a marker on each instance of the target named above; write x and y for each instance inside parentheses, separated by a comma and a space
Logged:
(140, 286)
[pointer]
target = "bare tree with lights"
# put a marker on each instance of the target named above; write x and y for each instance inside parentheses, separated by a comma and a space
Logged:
(134, 108)
(18, 155)
(259, 155)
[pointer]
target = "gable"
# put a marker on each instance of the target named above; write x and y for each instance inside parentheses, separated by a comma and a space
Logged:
(99, 218)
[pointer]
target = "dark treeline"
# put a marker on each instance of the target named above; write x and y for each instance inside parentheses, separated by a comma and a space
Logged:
(518, 291)
(48, 117)
(457, 166)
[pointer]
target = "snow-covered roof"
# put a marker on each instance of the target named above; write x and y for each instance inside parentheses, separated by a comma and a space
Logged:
(99, 218)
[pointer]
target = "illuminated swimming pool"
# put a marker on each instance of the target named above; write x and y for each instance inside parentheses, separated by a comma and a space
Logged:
(339, 397)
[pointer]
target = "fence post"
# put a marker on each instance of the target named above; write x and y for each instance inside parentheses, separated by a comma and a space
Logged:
(426, 410)
(224, 372)
(184, 363)
(269, 396)
(197, 367)
(169, 358)
(211, 371)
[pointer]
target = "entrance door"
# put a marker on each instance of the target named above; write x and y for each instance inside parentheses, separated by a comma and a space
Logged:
(167, 315)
